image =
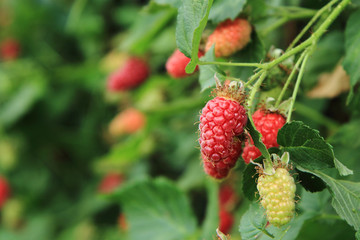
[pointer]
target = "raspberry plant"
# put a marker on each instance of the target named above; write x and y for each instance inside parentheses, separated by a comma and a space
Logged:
(179, 119)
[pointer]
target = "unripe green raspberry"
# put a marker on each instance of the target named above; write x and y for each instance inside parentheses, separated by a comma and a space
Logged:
(277, 193)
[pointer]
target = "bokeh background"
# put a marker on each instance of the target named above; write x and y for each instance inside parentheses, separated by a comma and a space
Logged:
(59, 156)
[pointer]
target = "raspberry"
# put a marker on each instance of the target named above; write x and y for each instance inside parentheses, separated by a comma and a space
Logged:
(268, 124)
(4, 191)
(229, 37)
(175, 65)
(110, 182)
(277, 193)
(122, 223)
(226, 221)
(126, 122)
(130, 75)
(227, 198)
(222, 121)
(9, 49)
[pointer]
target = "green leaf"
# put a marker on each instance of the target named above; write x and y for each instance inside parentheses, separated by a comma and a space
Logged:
(306, 147)
(256, 137)
(207, 72)
(157, 209)
(343, 170)
(352, 48)
(212, 210)
(21, 101)
(146, 28)
(224, 9)
(173, 3)
(191, 21)
(253, 222)
(348, 134)
(311, 182)
(346, 197)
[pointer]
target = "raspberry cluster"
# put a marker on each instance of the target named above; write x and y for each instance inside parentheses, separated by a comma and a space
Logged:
(268, 124)
(130, 75)
(277, 193)
(222, 121)
(229, 36)
(176, 64)
(128, 121)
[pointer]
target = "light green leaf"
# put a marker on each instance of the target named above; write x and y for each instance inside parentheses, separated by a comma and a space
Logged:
(191, 21)
(253, 222)
(343, 170)
(346, 197)
(224, 9)
(157, 209)
(207, 72)
(352, 48)
(173, 3)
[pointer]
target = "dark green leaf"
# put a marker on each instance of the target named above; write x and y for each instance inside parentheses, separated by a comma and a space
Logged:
(311, 182)
(156, 209)
(253, 222)
(224, 9)
(306, 147)
(207, 72)
(191, 21)
(212, 210)
(352, 48)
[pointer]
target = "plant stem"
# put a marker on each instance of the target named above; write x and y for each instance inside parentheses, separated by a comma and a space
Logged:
(292, 74)
(254, 90)
(298, 81)
(252, 79)
(258, 65)
(312, 39)
(311, 22)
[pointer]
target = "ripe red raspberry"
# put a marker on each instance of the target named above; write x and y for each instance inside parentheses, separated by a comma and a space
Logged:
(130, 75)
(110, 182)
(175, 65)
(129, 121)
(222, 121)
(268, 124)
(226, 221)
(4, 191)
(221, 169)
(9, 49)
(229, 36)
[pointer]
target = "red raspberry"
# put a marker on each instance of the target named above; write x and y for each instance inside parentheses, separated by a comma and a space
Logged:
(9, 49)
(122, 223)
(110, 182)
(175, 65)
(227, 198)
(130, 75)
(126, 122)
(268, 124)
(4, 191)
(226, 221)
(221, 169)
(229, 37)
(221, 120)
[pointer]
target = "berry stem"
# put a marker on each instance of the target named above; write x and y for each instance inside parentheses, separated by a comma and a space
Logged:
(298, 81)
(258, 65)
(254, 90)
(252, 79)
(311, 22)
(292, 74)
